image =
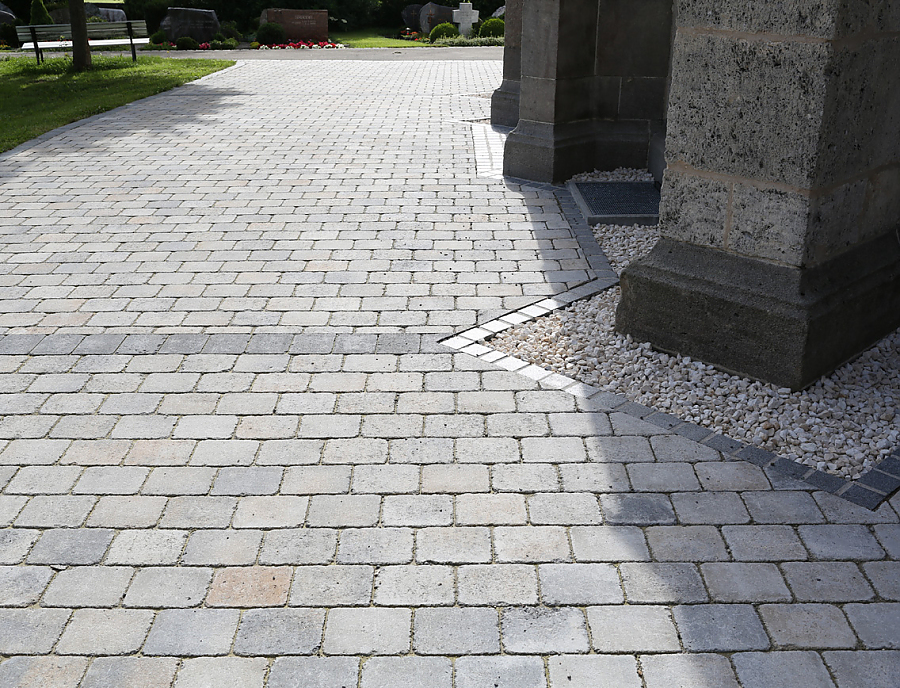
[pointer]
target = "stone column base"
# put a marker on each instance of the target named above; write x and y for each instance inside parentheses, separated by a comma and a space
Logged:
(546, 152)
(505, 104)
(784, 325)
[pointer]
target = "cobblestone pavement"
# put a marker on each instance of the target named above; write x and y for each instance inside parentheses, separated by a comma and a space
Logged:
(235, 452)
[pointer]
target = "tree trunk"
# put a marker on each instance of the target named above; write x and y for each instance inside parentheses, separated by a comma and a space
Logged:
(81, 53)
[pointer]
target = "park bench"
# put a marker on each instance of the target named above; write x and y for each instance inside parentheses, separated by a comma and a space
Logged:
(99, 33)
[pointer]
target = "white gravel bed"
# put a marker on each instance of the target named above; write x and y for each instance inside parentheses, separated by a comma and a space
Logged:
(622, 174)
(844, 424)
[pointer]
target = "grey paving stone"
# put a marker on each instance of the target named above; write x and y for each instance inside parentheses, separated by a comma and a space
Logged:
(222, 547)
(687, 671)
(425, 450)
(493, 509)
(256, 480)
(839, 510)
(593, 671)
(618, 449)
(636, 509)
(453, 545)
(30, 631)
(686, 543)
(877, 625)
(271, 632)
(594, 478)
(375, 546)
(417, 510)
(15, 543)
(456, 631)
(344, 510)
(720, 628)
(332, 586)
(270, 512)
(88, 586)
(739, 582)
(35, 672)
(781, 670)
(609, 543)
(496, 584)
(553, 449)
(130, 672)
(53, 512)
(43, 480)
(500, 672)
(198, 512)
(303, 546)
(860, 668)
(885, 576)
(840, 542)
(889, 537)
(827, 581)
(543, 630)
(715, 508)
(71, 546)
(764, 543)
(564, 509)
(579, 584)
(618, 628)
(168, 587)
(782, 507)
(407, 672)
(662, 583)
(663, 477)
(146, 548)
(737, 476)
(207, 671)
(105, 632)
(368, 630)
(192, 632)
(414, 585)
(127, 512)
(314, 672)
(807, 626)
(455, 478)
(22, 586)
(531, 544)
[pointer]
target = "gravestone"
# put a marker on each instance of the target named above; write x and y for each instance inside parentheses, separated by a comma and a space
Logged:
(410, 15)
(501, 11)
(201, 25)
(299, 25)
(464, 17)
(112, 15)
(433, 14)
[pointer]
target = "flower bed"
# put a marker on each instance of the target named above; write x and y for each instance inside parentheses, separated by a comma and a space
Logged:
(300, 45)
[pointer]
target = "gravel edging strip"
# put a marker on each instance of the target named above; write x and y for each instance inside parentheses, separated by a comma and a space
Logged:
(869, 491)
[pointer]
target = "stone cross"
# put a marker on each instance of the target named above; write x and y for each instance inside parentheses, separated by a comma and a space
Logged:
(465, 16)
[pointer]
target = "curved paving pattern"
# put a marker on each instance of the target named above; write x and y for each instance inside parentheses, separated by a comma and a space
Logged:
(235, 451)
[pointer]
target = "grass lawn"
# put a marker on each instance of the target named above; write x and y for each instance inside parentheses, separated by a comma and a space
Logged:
(373, 38)
(35, 99)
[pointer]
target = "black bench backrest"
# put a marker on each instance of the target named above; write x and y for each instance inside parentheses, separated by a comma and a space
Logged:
(55, 32)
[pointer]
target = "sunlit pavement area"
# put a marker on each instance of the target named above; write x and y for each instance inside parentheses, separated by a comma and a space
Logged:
(236, 452)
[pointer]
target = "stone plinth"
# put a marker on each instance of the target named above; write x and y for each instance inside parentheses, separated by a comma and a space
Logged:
(593, 86)
(781, 200)
(505, 101)
(299, 25)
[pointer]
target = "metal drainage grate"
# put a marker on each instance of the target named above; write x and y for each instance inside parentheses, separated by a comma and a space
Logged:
(618, 203)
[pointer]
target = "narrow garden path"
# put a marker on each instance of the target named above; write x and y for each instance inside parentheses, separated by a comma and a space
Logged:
(234, 450)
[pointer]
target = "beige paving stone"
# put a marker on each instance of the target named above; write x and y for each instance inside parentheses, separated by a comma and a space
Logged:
(255, 586)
